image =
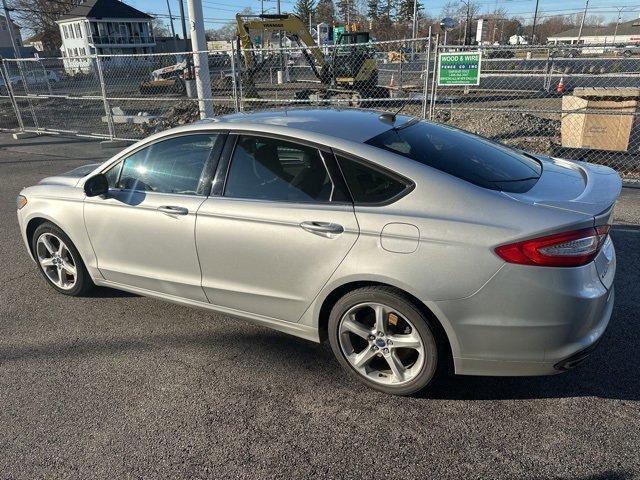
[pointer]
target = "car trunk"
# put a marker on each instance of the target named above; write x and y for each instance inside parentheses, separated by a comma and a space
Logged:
(576, 186)
(584, 188)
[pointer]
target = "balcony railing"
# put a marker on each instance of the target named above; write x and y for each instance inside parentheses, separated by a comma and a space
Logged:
(122, 40)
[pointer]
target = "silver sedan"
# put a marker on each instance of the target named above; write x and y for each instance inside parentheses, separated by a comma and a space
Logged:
(414, 248)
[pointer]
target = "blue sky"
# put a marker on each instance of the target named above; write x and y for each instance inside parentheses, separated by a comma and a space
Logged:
(218, 12)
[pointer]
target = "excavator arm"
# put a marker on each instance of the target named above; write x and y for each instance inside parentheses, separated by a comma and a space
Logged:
(290, 24)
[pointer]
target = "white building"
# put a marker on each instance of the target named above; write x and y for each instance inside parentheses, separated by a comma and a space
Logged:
(626, 33)
(104, 27)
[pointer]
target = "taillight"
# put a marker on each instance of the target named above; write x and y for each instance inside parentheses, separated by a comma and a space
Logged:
(566, 249)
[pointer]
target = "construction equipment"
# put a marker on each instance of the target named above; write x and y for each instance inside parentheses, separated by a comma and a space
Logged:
(168, 79)
(351, 71)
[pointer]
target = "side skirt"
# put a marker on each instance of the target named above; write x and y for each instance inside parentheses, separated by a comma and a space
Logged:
(295, 329)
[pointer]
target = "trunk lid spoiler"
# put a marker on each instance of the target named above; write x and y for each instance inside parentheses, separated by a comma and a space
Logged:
(576, 186)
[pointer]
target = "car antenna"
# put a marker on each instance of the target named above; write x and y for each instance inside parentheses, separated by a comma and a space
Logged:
(391, 117)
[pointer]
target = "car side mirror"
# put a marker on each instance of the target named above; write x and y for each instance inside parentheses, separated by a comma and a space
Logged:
(96, 185)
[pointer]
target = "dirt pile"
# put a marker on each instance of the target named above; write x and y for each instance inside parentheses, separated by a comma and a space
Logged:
(519, 130)
(182, 113)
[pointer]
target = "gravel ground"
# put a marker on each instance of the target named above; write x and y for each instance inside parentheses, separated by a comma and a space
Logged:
(120, 386)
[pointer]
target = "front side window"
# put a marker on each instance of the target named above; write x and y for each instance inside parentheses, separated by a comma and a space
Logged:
(180, 165)
(272, 169)
(463, 155)
(369, 185)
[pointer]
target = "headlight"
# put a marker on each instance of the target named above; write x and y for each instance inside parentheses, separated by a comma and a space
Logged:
(21, 201)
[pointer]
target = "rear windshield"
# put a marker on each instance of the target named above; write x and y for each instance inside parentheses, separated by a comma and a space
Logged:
(463, 155)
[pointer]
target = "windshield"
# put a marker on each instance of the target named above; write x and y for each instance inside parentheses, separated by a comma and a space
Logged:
(463, 155)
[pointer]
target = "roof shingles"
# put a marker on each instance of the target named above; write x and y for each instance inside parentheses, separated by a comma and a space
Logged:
(104, 9)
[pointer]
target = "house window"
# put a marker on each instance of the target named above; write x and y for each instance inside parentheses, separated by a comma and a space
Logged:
(78, 31)
(65, 33)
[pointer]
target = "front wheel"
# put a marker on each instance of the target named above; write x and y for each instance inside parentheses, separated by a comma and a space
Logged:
(381, 338)
(59, 261)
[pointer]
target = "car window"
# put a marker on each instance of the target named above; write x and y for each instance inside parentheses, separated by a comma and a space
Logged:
(463, 155)
(175, 165)
(368, 185)
(113, 174)
(272, 169)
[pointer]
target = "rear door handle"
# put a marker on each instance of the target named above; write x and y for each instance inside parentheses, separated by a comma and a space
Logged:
(173, 210)
(324, 229)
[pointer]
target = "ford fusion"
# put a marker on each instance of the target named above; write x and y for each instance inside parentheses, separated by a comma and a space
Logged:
(413, 247)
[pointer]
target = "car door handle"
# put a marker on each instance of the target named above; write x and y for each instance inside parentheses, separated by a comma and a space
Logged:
(324, 229)
(173, 210)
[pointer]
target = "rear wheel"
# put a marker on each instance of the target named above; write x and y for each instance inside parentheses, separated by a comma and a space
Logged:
(59, 261)
(381, 338)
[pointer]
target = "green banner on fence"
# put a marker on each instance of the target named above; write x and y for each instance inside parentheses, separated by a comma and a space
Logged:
(459, 68)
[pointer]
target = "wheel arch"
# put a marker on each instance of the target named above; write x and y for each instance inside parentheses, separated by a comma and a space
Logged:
(444, 331)
(34, 222)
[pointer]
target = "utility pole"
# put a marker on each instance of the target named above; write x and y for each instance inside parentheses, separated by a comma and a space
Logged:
(533, 29)
(189, 70)
(584, 15)
(467, 23)
(615, 32)
(173, 32)
(200, 58)
(414, 28)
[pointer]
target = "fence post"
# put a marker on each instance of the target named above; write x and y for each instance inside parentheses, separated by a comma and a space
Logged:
(103, 91)
(234, 86)
(425, 87)
(5, 78)
(432, 101)
(26, 92)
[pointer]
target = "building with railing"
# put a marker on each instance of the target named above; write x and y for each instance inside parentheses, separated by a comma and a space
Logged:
(104, 27)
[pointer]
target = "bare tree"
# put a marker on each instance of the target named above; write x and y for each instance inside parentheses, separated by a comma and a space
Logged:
(39, 17)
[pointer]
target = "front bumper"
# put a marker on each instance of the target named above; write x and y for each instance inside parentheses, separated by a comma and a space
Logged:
(530, 320)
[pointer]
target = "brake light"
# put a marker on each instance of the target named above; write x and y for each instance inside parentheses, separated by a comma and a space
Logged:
(566, 249)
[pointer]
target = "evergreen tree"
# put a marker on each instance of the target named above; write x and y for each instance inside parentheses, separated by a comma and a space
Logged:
(405, 10)
(373, 9)
(325, 12)
(347, 10)
(305, 9)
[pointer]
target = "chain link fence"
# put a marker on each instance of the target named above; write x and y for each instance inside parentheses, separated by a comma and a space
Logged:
(580, 105)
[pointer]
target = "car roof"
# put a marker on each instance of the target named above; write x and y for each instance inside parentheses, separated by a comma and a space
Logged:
(349, 124)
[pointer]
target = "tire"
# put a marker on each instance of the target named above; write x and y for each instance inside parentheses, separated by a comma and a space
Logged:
(356, 309)
(66, 258)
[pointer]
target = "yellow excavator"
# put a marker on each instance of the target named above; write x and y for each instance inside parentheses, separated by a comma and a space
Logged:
(350, 72)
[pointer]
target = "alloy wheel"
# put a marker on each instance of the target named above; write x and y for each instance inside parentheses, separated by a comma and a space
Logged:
(381, 344)
(56, 261)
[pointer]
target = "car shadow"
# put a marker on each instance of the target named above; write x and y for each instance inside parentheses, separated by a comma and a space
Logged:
(106, 292)
(610, 372)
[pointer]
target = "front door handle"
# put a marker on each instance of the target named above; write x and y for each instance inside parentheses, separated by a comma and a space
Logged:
(173, 210)
(324, 229)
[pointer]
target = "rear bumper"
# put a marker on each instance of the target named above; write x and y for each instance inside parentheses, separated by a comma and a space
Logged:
(530, 321)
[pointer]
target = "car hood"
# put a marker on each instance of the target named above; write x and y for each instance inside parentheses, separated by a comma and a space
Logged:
(580, 187)
(71, 177)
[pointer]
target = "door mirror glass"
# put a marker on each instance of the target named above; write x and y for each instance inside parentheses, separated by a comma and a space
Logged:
(96, 185)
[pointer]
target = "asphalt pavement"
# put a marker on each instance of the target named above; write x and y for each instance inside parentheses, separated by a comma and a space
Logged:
(120, 386)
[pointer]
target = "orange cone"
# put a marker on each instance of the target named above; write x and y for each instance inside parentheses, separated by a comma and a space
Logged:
(560, 88)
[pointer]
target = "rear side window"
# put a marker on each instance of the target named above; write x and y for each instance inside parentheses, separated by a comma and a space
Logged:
(368, 185)
(276, 170)
(463, 155)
